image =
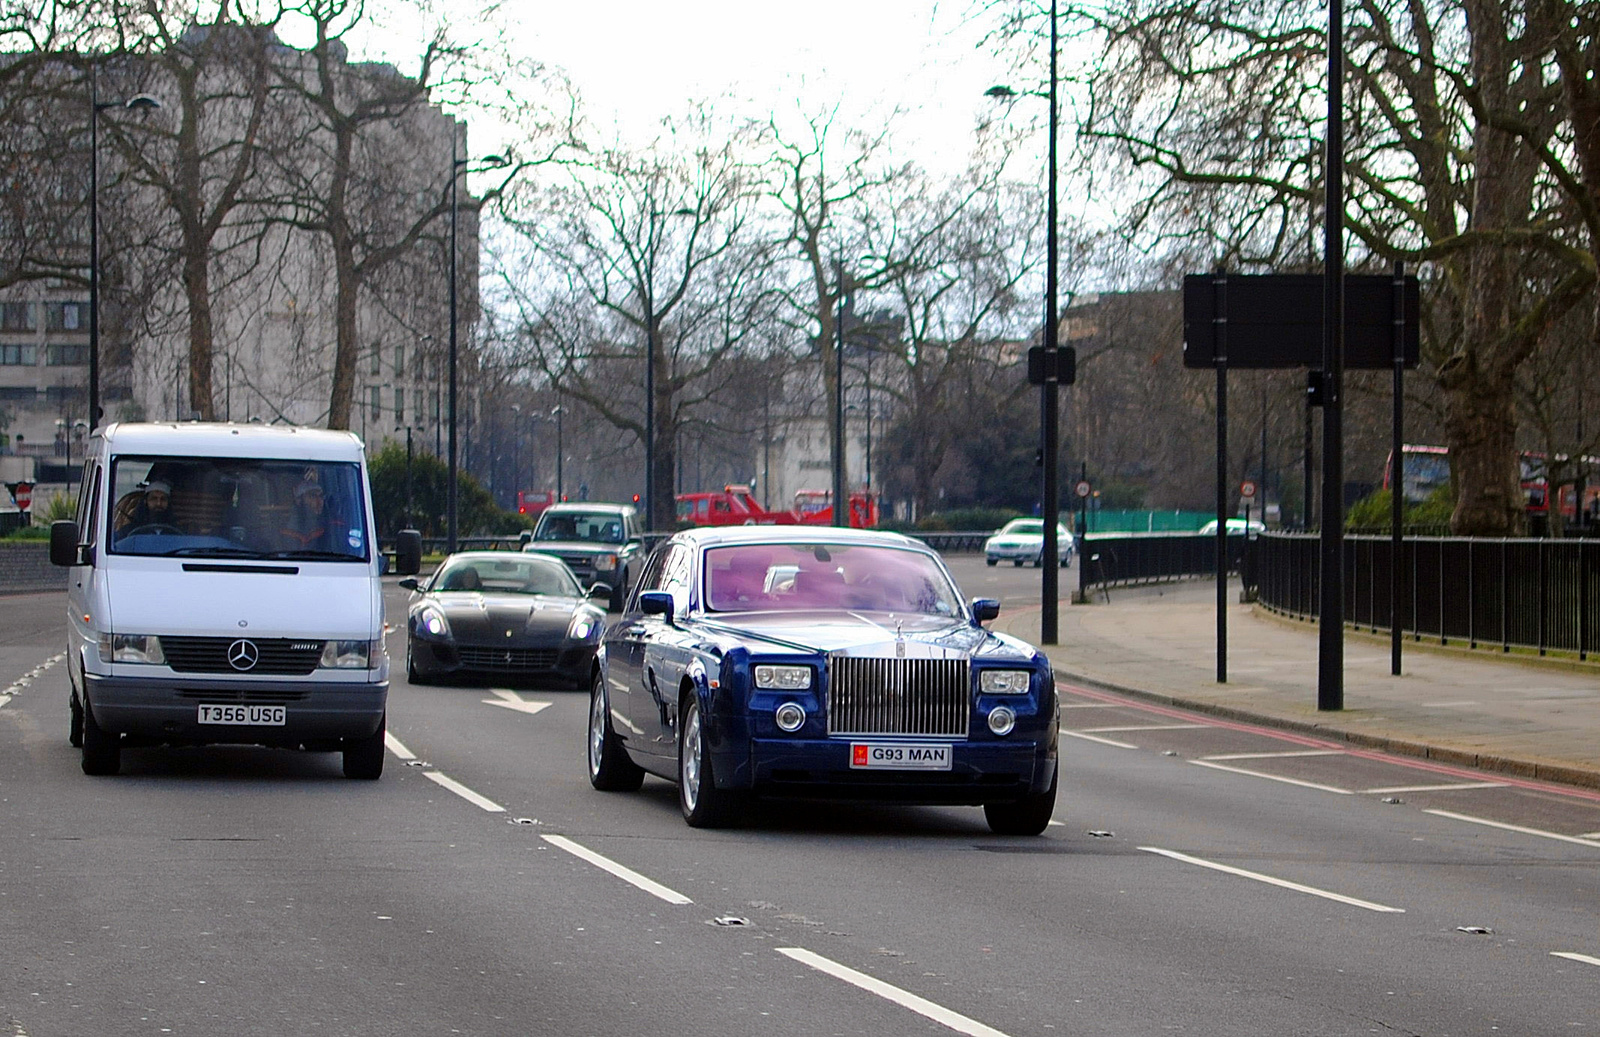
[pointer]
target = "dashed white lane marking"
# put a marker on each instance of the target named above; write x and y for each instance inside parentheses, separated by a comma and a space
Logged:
(1140, 727)
(904, 998)
(1276, 756)
(1273, 881)
(1589, 835)
(622, 872)
(1270, 777)
(511, 700)
(1541, 833)
(1058, 824)
(465, 793)
(1097, 738)
(28, 678)
(397, 748)
(1573, 956)
(1437, 788)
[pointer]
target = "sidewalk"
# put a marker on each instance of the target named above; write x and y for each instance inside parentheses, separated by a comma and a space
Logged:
(1531, 719)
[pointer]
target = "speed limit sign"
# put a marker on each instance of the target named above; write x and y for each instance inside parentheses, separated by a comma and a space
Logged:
(1247, 488)
(1082, 489)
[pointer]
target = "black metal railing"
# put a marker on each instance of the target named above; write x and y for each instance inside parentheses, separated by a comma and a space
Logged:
(1129, 559)
(1526, 593)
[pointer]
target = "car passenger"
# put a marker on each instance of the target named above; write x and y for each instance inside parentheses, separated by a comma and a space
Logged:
(309, 528)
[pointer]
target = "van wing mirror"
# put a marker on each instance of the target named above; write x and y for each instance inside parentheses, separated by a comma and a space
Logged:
(64, 543)
(408, 552)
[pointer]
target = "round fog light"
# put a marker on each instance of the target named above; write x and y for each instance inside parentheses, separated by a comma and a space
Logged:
(790, 716)
(1002, 720)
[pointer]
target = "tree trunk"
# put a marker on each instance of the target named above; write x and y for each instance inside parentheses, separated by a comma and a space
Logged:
(197, 290)
(1481, 426)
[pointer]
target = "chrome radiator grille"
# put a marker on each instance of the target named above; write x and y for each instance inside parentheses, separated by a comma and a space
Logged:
(898, 696)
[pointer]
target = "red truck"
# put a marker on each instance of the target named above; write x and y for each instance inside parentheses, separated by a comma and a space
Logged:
(736, 506)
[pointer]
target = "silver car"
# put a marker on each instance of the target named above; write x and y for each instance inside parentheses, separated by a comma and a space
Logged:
(1022, 540)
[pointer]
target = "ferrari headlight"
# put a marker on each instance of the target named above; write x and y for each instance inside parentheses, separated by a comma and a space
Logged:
(131, 648)
(432, 620)
(584, 626)
(605, 563)
(347, 655)
(783, 678)
(1004, 682)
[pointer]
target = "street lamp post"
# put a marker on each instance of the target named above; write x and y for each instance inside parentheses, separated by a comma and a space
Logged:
(1049, 406)
(140, 102)
(556, 411)
(841, 499)
(456, 165)
(408, 474)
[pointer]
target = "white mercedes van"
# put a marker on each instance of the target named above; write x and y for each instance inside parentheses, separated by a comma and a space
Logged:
(223, 587)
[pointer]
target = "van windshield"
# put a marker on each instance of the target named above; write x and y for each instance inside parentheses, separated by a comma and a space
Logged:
(230, 507)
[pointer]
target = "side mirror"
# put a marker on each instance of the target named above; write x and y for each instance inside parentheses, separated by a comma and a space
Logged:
(985, 609)
(408, 552)
(525, 538)
(656, 603)
(599, 590)
(64, 543)
(408, 584)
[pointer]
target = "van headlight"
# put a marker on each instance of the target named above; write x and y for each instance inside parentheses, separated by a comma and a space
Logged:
(131, 648)
(1004, 682)
(350, 655)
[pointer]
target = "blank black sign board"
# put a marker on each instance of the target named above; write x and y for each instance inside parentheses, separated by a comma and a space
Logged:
(1275, 320)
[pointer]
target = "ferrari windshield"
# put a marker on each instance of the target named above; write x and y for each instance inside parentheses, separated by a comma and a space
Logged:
(514, 574)
(229, 507)
(855, 577)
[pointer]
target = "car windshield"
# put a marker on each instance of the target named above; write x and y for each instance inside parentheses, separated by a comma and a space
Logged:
(857, 577)
(1034, 526)
(229, 507)
(528, 574)
(601, 527)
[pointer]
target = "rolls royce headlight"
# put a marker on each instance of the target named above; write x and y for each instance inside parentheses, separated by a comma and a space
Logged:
(584, 626)
(131, 648)
(1004, 682)
(605, 563)
(432, 620)
(1002, 721)
(783, 678)
(347, 655)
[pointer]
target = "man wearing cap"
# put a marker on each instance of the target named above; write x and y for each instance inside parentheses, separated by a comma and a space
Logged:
(307, 529)
(147, 510)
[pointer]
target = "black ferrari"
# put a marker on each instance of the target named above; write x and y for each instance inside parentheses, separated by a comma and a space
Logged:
(491, 615)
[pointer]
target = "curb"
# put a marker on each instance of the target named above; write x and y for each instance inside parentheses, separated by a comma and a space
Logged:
(1557, 773)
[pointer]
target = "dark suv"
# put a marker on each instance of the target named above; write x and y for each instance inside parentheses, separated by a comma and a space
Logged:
(601, 543)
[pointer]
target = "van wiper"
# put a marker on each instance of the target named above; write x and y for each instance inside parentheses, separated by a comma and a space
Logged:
(315, 556)
(219, 552)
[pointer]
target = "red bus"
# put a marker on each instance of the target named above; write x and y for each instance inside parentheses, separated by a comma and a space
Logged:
(1428, 467)
(531, 502)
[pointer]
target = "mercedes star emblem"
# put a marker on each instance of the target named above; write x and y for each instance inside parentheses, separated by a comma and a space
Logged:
(243, 655)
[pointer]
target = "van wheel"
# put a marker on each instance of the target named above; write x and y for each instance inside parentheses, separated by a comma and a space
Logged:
(75, 723)
(102, 751)
(363, 757)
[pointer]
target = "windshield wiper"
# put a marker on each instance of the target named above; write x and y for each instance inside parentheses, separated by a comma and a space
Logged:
(315, 556)
(220, 552)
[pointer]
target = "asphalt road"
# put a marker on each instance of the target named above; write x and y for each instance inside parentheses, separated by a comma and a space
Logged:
(1200, 880)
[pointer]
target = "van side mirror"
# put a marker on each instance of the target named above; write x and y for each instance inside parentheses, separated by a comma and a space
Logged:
(408, 552)
(64, 543)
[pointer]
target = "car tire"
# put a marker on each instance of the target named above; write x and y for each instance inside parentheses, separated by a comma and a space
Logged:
(75, 721)
(1016, 563)
(363, 757)
(991, 561)
(703, 804)
(412, 676)
(1029, 815)
(102, 750)
(610, 767)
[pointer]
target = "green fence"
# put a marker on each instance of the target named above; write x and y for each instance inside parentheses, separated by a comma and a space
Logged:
(1124, 521)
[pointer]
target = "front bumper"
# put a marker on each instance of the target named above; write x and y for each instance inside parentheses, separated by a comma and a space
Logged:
(570, 666)
(165, 710)
(1013, 552)
(981, 772)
